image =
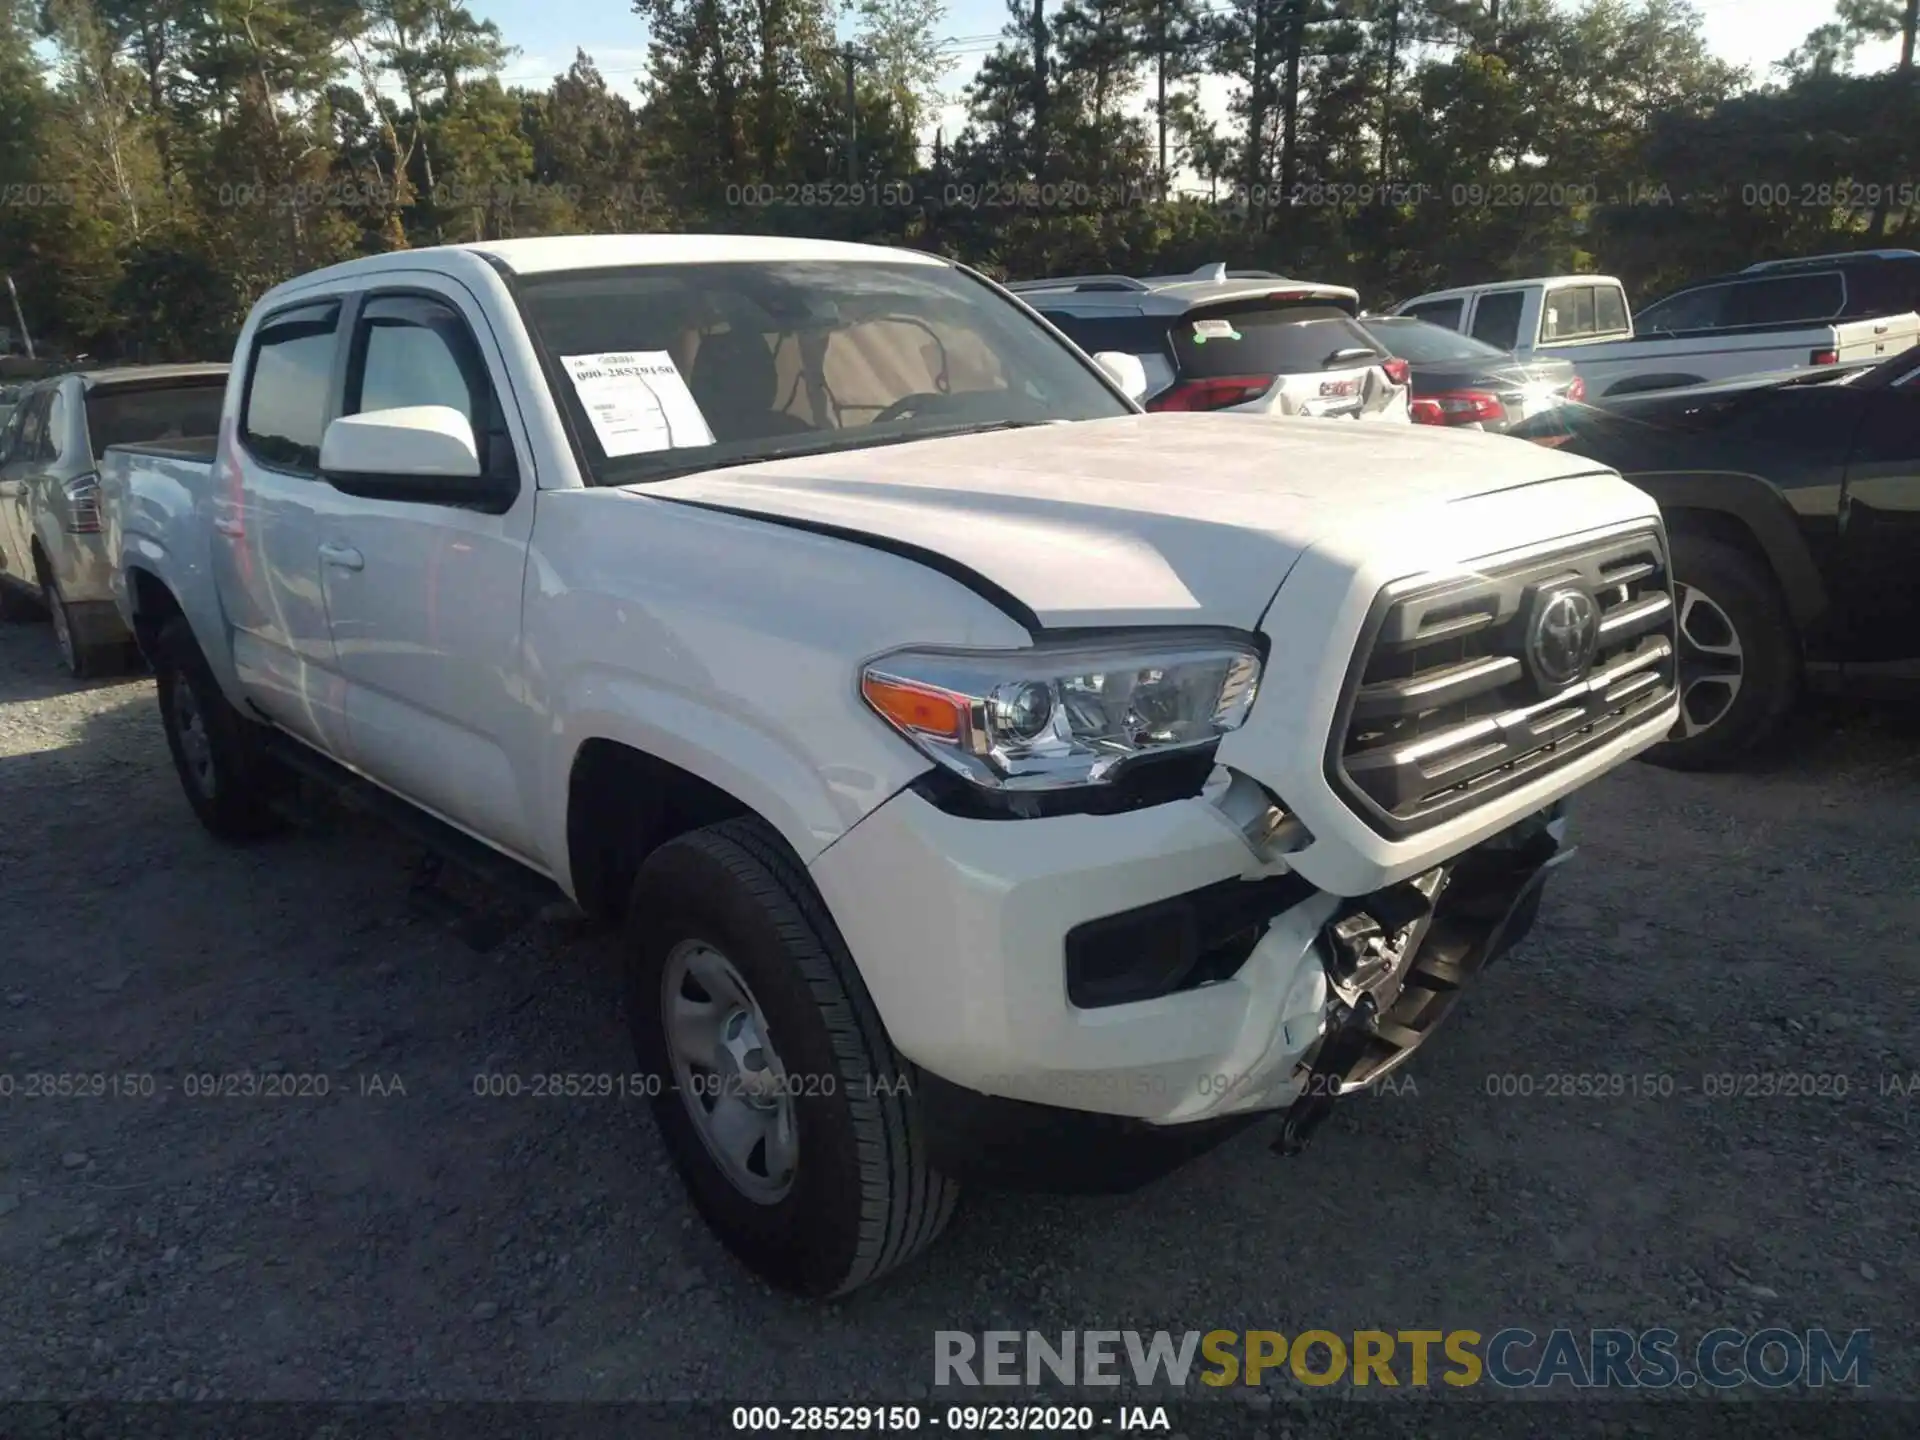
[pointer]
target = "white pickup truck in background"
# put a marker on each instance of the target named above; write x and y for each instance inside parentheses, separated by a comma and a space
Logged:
(1759, 320)
(993, 780)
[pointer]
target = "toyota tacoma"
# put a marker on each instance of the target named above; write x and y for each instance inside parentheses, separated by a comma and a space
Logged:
(994, 781)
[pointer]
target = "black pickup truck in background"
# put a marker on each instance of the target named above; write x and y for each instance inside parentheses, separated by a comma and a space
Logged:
(1793, 503)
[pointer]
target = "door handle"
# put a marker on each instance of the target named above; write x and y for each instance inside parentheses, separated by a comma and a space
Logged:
(229, 527)
(1881, 328)
(343, 557)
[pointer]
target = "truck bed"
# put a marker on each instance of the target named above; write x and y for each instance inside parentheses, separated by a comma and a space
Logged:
(194, 447)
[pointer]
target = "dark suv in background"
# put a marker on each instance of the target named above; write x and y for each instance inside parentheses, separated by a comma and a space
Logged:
(1824, 288)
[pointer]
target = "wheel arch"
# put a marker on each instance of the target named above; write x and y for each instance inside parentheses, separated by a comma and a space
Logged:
(1749, 513)
(623, 803)
(151, 603)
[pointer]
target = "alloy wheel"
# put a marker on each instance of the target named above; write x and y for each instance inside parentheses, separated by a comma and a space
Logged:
(1712, 662)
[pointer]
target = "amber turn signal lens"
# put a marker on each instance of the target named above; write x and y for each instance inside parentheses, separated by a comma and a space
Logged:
(916, 707)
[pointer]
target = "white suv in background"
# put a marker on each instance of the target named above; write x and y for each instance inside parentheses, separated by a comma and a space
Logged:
(1222, 339)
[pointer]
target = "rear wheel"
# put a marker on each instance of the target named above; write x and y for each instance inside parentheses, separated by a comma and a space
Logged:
(82, 660)
(217, 752)
(1739, 656)
(784, 1106)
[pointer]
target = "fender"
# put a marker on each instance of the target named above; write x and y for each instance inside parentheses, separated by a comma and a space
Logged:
(1760, 508)
(142, 556)
(757, 768)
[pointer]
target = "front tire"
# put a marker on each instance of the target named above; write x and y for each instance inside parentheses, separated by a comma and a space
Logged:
(1739, 661)
(784, 1106)
(217, 751)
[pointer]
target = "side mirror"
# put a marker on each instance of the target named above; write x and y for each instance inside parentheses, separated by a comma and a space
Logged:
(424, 453)
(416, 441)
(1126, 371)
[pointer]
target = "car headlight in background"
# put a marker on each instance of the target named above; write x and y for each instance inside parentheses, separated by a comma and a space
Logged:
(1057, 716)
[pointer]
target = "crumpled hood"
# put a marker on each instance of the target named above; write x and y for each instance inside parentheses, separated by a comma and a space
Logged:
(1139, 520)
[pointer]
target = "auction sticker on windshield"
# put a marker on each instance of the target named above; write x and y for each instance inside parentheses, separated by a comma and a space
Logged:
(637, 402)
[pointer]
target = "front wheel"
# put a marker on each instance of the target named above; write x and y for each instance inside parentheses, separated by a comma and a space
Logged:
(789, 1115)
(1739, 660)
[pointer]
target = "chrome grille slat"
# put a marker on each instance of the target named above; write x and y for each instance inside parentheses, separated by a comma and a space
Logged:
(1443, 709)
(1635, 618)
(1410, 697)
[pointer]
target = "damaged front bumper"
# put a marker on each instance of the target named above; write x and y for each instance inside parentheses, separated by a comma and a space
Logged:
(1395, 962)
(1398, 961)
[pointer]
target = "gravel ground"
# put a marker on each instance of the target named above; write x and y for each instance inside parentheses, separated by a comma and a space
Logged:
(400, 1237)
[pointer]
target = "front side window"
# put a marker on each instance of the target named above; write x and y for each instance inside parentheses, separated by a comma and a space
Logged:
(412, 351)
(1496, 319)
(287, 384)
(664, 369)
(1438, 312)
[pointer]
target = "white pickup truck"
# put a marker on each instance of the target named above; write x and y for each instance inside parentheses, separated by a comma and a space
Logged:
(1759, 320)
(993, 780)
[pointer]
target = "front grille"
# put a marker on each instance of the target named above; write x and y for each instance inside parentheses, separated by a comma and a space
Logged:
(1448, 704)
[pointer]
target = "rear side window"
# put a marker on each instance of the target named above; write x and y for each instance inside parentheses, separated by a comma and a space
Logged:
(1789, 300)
(1444, 313)
(159, 414)
(1496, 319)
(1135, 334)
(53, 436)
(289, 375)
(1697, 309)
(1270, 340)
(31, 444)
(1887, 288)
(1609, 309)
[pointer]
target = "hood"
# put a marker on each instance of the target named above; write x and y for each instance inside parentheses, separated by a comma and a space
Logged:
(1169, 519)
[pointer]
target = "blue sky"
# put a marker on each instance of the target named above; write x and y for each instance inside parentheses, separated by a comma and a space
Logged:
(1748, 32)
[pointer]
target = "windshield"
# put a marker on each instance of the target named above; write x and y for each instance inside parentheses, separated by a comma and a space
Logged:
(1422, 343)
(666, 369)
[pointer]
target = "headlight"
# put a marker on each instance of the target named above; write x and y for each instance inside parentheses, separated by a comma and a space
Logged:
(1063, 715)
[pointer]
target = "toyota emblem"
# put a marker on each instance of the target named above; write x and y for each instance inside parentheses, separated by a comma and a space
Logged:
(1563, 636)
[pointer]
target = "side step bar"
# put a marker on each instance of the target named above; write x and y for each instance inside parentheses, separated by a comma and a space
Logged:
(499, 873)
